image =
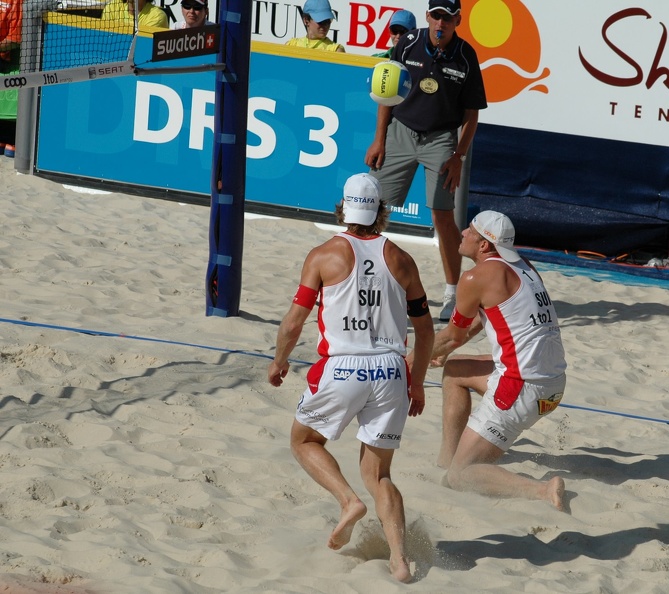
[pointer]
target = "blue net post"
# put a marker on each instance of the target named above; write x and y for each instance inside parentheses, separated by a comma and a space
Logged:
(228, 182)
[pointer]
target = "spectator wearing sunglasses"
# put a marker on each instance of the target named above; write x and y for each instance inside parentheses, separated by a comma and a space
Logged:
(195, 13)
(401, 22)
(434, 127)
(123, 12)
(317, 17)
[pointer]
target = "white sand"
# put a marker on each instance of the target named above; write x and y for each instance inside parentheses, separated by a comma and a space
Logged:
(141, 466)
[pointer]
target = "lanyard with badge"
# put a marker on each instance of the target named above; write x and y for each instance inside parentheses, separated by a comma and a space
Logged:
(428, 84)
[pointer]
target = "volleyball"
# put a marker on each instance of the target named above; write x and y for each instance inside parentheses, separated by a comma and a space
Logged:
(390, 83)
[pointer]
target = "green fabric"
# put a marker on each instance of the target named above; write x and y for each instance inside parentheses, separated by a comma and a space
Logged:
(9, 98)
(385, 54)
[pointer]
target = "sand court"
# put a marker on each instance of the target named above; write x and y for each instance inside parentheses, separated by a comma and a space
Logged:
(142, 449)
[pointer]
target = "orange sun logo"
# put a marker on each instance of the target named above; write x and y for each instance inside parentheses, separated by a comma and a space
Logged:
(507, 42)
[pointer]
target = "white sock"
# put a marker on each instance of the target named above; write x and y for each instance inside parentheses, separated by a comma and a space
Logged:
(449, 291)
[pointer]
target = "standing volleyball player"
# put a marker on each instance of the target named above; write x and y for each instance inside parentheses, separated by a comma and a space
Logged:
(365, 286)
(446, 95)
(521, 382)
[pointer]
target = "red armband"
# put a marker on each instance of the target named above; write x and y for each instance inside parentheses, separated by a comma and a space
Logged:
(460, 321)
(305, 296)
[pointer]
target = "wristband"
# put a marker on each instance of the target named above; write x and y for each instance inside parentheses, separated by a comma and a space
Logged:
(305, 296)
(457, 319)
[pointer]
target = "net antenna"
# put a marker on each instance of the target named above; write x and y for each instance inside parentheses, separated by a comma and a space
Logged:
(108, 48)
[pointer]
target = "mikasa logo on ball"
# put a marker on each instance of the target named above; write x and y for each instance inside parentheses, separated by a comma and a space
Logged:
(390, 83)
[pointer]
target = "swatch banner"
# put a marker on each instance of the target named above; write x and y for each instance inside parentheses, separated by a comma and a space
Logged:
(596, 68)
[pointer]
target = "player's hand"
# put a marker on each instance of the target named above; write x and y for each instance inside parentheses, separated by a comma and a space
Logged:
(438, 361)
(417, 397)
(275, 374)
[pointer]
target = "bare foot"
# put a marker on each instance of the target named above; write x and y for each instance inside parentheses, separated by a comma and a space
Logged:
(349, 516)
(442, 461)
(400, 570)
(555, 492)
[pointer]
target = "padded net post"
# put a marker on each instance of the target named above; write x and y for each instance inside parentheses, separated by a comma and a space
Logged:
(226, 230)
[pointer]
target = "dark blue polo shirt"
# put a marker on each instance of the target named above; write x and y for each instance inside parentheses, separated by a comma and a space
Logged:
(459, 84)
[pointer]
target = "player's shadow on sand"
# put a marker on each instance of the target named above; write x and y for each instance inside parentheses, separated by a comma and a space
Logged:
(594, 463)
(462, 555)
(607, 312)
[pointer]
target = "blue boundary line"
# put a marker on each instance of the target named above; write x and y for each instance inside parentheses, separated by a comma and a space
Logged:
(269, 357)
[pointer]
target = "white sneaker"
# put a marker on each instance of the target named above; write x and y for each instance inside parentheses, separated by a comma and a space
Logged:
(447, 310)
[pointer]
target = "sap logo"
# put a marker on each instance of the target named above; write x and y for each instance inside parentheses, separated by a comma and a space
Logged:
(343, 374)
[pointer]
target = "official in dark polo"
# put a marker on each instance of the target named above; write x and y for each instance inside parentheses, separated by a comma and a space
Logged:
(446, 95)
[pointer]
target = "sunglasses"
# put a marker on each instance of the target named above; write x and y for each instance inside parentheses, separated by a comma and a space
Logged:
(443, 16)
(197, 7)
(397, 30)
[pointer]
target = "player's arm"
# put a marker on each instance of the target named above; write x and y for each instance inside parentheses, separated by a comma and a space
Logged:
(293, 322)
(421, 320)
(464, 323)
(377, 150)
(454, 163)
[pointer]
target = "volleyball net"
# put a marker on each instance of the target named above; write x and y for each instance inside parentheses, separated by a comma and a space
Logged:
(79, 40)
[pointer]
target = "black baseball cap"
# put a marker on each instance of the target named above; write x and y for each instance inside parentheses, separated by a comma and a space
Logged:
(452, 7)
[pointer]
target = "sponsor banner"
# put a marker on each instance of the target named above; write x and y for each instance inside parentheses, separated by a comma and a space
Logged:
(584, 67)
(185, 43)
(304, 140)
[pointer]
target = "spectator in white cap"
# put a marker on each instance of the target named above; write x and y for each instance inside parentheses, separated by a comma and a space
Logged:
(522, 380)
(365, 286)
(401, 22)
(195, 14)
(317, 17)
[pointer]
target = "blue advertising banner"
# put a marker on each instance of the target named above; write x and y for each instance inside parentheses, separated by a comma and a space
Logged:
(310, 123)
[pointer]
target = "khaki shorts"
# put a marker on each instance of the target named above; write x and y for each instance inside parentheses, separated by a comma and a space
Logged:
(372, 388)
(405, 151)
(502, 427)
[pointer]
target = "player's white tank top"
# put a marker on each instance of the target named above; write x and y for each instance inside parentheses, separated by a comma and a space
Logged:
(366, 313)
(524, 331)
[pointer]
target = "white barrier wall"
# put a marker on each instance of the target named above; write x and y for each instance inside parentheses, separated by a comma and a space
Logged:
(596, 68)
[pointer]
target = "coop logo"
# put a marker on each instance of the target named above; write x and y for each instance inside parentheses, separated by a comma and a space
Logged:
(14, 82)
(185, 43)
(508, 44)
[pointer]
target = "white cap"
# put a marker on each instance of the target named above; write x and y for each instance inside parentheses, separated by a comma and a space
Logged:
(498, 229)
(362, 197)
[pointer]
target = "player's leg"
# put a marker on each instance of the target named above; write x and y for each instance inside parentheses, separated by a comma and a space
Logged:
(382, 422)
(461, 374)
(308, 447)
(321, 415)
(492, 430)
(375, 472)
(449, 237)
(473, 468)
(433, 151)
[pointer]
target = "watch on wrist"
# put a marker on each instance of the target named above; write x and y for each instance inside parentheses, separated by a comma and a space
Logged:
(463, 156)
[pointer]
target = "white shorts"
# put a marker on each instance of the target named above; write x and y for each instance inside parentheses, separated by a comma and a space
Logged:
(373, 388)
(533, 401)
